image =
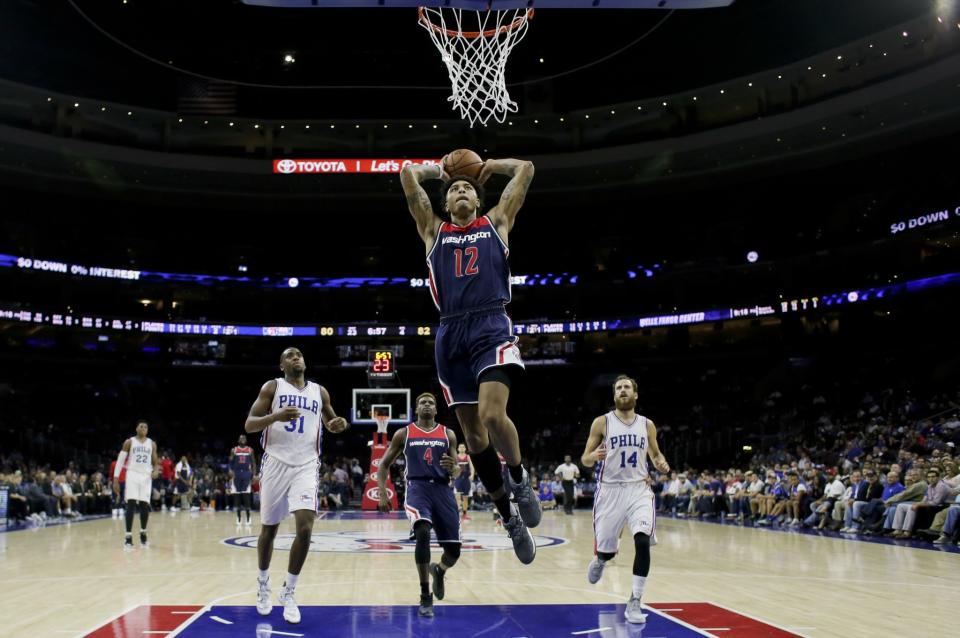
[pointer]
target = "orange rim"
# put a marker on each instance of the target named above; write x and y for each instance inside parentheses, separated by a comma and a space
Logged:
(471, 35)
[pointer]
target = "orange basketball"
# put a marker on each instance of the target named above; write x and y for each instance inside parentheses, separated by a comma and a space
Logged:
(463, 161)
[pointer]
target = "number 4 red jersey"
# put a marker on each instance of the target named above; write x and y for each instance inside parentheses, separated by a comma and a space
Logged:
(423, 451)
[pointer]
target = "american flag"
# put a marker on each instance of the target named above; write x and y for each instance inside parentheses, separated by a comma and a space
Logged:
(202, 97)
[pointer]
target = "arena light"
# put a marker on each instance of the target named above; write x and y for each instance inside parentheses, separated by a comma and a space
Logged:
(293, 282)
(288, 58)
(753, 256)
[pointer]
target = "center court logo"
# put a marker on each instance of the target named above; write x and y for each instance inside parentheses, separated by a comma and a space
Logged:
(387, 543)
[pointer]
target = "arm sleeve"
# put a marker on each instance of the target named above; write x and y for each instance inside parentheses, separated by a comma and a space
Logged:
(121, 460)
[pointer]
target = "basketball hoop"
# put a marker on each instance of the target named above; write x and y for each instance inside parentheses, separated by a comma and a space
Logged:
(475, 45)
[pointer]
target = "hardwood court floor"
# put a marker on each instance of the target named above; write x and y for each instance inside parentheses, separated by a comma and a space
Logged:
(70, 579)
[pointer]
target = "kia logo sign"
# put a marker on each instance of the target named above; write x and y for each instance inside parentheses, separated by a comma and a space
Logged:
(375, 462)
(374, 494)
(287, 166)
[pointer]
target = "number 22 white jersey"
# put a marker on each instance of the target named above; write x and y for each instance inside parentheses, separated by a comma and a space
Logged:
(626, 445)
(295, 442)
(140, 459)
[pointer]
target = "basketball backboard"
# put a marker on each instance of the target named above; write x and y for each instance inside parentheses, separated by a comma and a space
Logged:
(394, 402)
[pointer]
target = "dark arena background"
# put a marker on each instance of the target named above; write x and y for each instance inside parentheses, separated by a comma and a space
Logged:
(752, 208)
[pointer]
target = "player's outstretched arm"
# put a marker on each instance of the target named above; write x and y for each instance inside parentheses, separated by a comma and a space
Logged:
(520, 173)
(594, 450)
(418, 201)
(449, 462)
(396, 447)
(331, 421)
(653, 450)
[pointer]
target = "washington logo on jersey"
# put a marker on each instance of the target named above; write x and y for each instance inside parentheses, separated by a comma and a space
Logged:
(472, 238)
(425, 442)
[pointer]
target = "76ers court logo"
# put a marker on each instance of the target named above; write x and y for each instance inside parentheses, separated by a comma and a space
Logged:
(359, 542)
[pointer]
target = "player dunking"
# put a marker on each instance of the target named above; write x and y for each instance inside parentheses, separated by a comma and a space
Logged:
(429, 501)
(139, 456)
(289, 412)
(475, 344)
(463, 485)
(620, 441)
(243, 466)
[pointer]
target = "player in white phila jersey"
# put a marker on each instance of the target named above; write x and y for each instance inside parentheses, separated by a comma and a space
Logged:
(143, 465)
(620, 441)
(290, 412)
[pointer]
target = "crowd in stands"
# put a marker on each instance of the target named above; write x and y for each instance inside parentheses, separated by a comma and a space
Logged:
(38, 494)
(840, 450)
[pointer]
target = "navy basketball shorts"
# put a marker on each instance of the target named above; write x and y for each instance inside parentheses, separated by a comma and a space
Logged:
(240, 484)
(469, 344)
(434, 503)
(463, 485)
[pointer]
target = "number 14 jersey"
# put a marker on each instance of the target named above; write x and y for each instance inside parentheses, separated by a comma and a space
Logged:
(626, 445)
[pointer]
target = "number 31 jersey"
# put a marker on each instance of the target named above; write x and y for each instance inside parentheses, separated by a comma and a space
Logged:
(295, 442)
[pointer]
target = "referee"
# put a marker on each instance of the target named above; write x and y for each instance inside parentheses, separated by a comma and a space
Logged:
(567, 474)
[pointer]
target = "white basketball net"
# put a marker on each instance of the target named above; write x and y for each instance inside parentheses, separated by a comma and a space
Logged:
(475, 46)
(382, 423)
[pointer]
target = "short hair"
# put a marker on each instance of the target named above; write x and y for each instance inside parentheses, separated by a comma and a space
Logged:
(426, 394)
(620, 378)
(144, 421)
(477, 186)
(284, 353)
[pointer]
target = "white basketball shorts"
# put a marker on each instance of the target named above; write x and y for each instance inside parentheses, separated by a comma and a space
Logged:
(619, 504)
(287, 488)
(139, 487)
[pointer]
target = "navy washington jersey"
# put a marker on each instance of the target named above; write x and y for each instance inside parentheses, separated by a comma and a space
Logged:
(468, 267)
(242, 462)
(423, 451)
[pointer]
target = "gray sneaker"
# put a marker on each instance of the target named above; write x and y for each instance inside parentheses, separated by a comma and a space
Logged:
(438, 574)
(595, 571)
(634, 613)
(523, 545)
(426, 606)
(527, 500)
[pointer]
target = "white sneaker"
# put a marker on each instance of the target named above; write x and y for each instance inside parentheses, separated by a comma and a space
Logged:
(264, 606)
(634, 612)
(595, 571)
(290, 611)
